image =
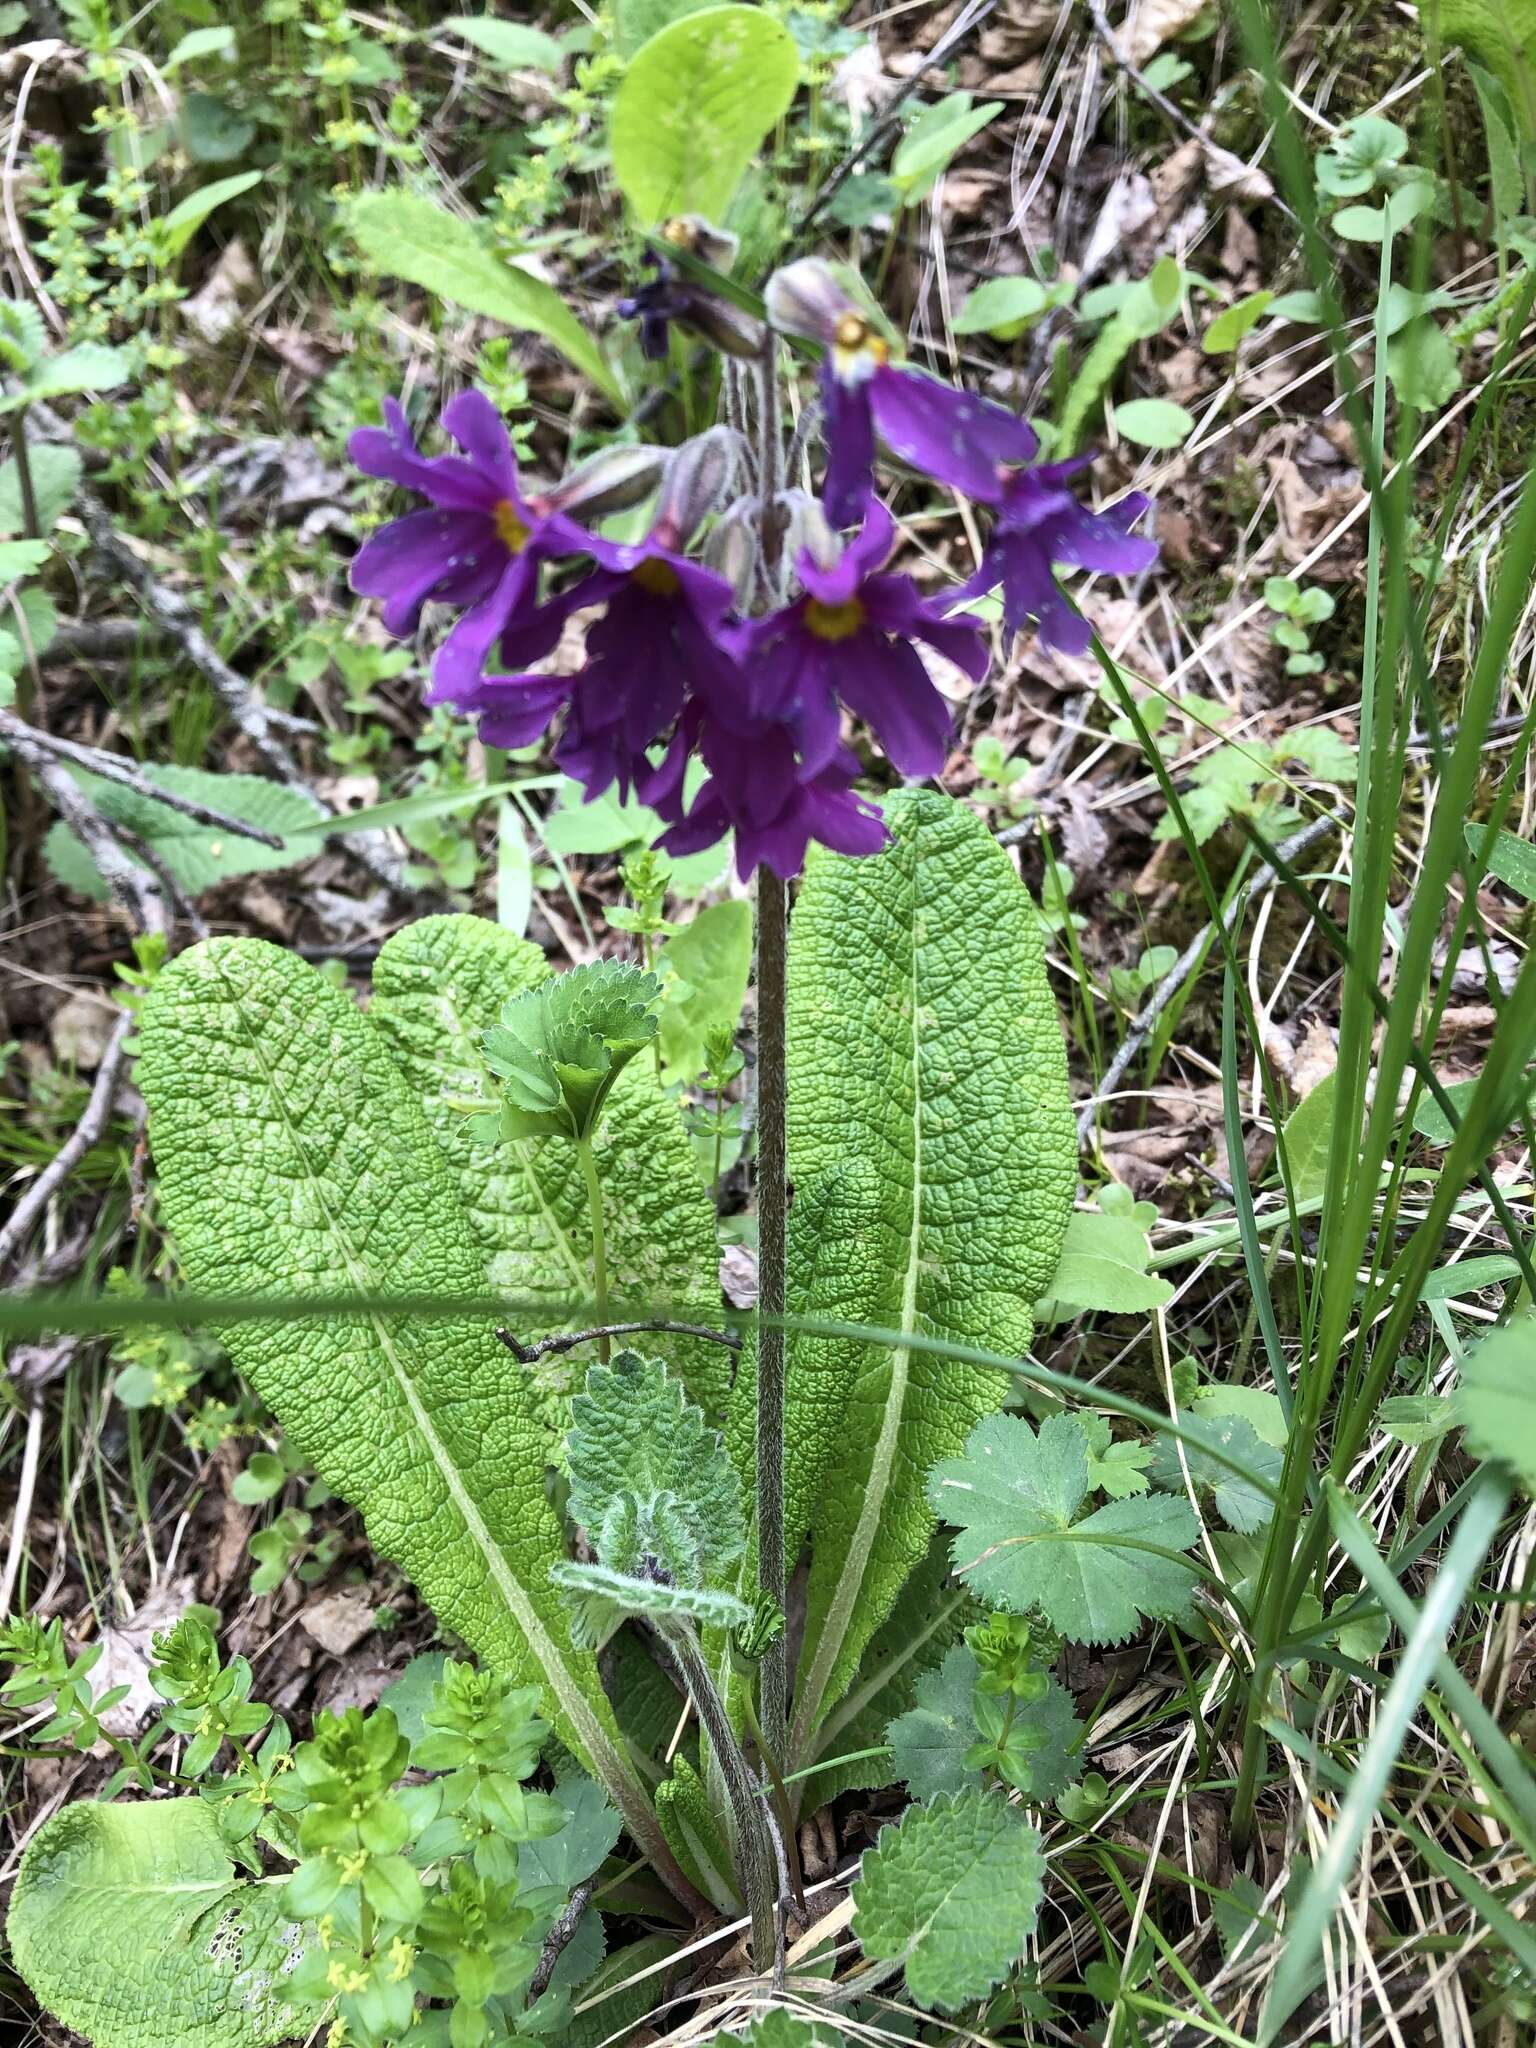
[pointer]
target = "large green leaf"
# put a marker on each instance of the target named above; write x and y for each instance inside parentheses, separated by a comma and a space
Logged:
(294, 1160)
(128, 1924)
(696, 101)
(399, 234)
(437, 985)
(923, 1040)
(194, 855)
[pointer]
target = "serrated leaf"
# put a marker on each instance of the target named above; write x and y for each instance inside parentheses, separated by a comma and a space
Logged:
(1242, 1505)
(400, 235)
(930, 1742)
(56, 472)
(939, 1064)
(1104, 1266)
(1496, 1400)
(953, 1890)
(129, 1925)
(89, 366)
(196, 856)
(1418, 1419)
(568, 1858)
(512, 44)
(438, 985)
(635, 1435)
(695, 102)
(1261, 1410)
(1042, 1754)
(293, 1160)
(21, 558)
(1015, 1497)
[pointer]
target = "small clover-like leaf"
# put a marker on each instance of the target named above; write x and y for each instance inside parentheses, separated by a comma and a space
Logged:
(929, 1742)
(1015, 1498)
(558, 1048)
(1241, 1503)
(952, 1889)
(649, 1477)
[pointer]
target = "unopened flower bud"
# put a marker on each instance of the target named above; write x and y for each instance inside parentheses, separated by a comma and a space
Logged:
(733, 549)
(697, 480)
(696, 236)
(610, 482)
(722, 325)
(806, 528)
(806, 298)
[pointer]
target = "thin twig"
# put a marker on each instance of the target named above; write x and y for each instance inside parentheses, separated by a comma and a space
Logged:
(98, 1110)
(559, 1938)
(261, 725)
(113, 768)
(135, 887)
(967, 19)
(567, 1340)
(1164, 993)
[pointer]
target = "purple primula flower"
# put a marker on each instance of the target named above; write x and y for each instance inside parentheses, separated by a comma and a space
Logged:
(479, 546)
(664, 636)
(849, 640)
(955, 438)
(1039, 522)
(757, 790)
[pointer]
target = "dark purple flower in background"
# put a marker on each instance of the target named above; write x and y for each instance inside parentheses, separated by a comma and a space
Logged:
(665, 636)
(849, 640)
(949, 435)
(758, 790)
(479, 545)
(1040, 522)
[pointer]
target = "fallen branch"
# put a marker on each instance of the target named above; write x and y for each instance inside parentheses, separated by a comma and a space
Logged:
(567, 1340)
(262, 726)
(136, 888)
(559, 1938)
(113, 768)
(92, 1124)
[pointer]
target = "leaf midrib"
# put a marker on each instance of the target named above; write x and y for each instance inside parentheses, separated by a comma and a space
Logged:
(883, 1459)
(546, 1652)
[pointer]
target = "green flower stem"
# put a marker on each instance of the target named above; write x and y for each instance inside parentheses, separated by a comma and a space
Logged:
(772, 1196)
(30, 524)
(599, 1244)
(754, 1854)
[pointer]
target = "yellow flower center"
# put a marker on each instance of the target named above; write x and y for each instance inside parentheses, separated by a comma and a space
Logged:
(511, 527)
(833, 621)
(857, 350)
(659, 578)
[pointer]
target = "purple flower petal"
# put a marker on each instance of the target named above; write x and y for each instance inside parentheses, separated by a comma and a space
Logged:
(952, 436)
(516, 710)
(860, 557)
(462, 656)
(1101, 540)
(848, 429)
(451, 556)
(390, 453)
(884, 682)
(478, 428)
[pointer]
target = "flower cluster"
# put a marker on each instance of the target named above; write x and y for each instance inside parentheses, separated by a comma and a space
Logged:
(676, 667)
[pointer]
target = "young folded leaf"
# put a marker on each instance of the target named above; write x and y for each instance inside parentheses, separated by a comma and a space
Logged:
(438, 985)
(560, 1047)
